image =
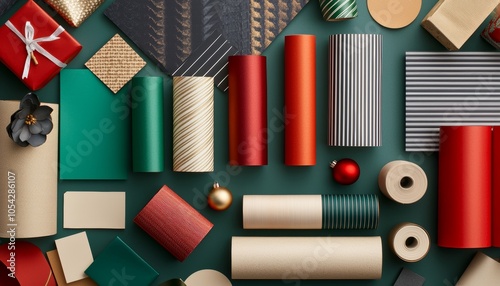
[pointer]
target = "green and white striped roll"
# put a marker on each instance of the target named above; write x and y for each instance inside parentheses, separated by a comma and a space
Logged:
(193, 124)
(310, 211)
(338, 10)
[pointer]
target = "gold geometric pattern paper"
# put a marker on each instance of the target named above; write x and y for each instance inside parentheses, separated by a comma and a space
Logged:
(75, 11)
(115, 63)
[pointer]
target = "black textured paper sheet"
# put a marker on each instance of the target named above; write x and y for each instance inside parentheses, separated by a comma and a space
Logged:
(209, 59)
(5, 5)
(168, 31)
(409, 278)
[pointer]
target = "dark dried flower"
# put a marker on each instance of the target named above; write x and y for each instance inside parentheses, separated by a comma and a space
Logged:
(31, 123)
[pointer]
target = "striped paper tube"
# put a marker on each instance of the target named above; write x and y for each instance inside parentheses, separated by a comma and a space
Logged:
(338, 10)
(193, 124)
(355, 73)
(310, 211)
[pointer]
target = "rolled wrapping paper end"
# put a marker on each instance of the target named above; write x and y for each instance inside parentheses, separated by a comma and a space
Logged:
(338, 10)
(403, 182)
(409, 241)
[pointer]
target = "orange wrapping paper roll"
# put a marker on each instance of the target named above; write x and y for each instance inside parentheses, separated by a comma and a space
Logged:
(300, 100)
(496, 187)
(464, 191)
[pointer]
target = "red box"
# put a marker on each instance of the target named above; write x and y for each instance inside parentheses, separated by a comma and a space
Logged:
(13, 51)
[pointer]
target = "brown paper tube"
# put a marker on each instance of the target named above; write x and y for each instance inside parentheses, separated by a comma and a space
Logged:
(300, 100)
(482, 270)
(409, 241)
(301, 258)
(193, 124)
(247, 110)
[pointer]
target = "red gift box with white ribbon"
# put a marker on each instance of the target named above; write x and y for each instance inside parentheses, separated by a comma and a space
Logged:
(35, 47)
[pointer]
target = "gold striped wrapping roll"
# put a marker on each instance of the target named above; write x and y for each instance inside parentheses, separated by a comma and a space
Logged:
(193, 124)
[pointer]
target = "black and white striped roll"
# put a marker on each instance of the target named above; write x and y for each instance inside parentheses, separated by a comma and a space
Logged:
(355, 91)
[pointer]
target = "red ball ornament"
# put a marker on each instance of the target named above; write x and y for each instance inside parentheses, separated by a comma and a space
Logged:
(345, 171)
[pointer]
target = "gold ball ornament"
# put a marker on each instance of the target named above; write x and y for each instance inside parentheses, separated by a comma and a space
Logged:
(219, 198)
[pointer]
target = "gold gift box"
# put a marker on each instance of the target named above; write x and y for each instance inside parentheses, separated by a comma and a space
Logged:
(75, 11)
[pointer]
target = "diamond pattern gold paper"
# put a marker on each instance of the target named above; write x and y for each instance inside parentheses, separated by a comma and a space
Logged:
(75, 11)
(115, 63)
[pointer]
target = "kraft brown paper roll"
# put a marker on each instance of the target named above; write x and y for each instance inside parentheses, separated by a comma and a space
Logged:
(482, 270)
(402, 181)
(282, 212)
(409, 241)
(35, 171)
(302, 258)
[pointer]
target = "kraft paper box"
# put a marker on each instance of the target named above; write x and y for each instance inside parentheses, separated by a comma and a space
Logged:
(53, 47)
(452, 22)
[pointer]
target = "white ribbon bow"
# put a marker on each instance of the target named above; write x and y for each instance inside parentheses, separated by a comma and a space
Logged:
(32, 45)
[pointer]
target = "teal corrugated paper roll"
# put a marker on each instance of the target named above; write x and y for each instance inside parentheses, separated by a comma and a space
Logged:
(338, 10)
(310, 211)
(350, 211)
(147, 124)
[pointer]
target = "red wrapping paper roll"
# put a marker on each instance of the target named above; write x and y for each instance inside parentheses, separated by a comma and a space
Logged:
(496, 187)
(464, 194)
(173, 223)
(247, 110)
(300, 100)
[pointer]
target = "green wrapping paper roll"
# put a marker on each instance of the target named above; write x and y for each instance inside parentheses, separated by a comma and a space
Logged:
(147, 124)
(338, 10)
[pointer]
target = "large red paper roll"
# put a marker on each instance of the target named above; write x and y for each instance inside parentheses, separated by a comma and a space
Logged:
(300, 100)
(247, 110)
(464, 195)
(496, 187)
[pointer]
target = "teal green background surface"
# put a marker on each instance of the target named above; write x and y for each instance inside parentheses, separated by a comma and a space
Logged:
(440, 267)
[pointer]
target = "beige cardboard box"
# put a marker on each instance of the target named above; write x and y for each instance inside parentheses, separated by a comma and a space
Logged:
(452, 22)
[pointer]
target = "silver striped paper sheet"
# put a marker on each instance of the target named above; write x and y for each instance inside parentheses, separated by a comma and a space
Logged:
(355, 91)
(449, 89)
